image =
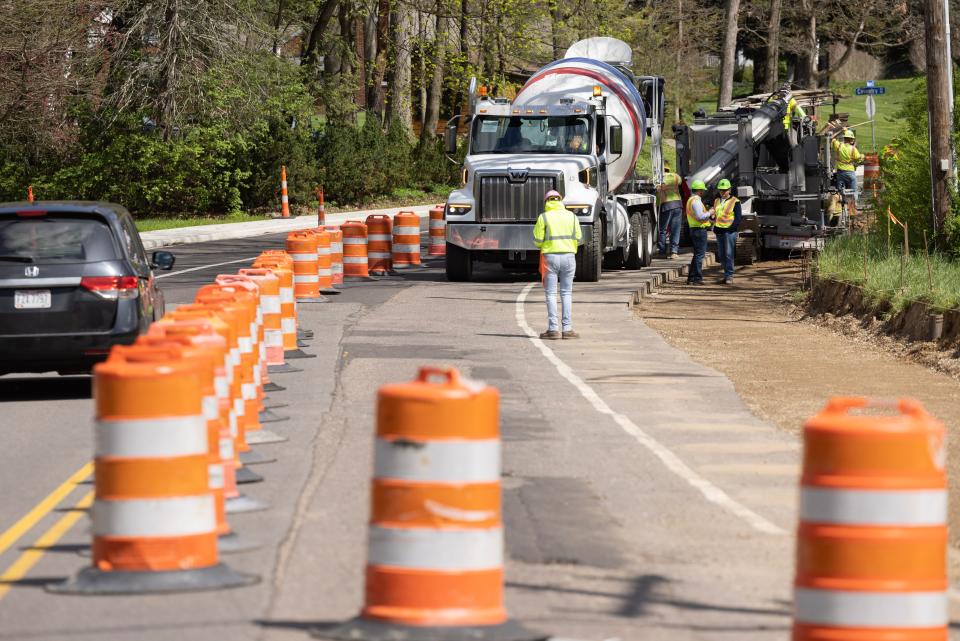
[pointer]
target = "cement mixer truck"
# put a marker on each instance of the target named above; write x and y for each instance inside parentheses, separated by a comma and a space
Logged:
(576, 126)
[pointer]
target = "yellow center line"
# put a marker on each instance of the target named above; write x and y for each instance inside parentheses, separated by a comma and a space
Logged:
(31, 518)
(30, 557)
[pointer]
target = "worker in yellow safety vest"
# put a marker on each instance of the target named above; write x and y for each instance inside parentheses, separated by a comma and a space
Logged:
(794, 111)
(671, 210)
(727, 213)
(848, 157)
(557, 234)
(698, 220)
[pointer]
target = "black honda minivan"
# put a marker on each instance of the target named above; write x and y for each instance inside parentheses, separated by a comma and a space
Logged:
(74, 281)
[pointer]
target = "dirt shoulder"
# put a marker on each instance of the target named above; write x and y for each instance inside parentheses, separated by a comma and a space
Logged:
(785, 366)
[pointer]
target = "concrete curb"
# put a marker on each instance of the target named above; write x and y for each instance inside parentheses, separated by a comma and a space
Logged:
(660, 275)
(230, 231)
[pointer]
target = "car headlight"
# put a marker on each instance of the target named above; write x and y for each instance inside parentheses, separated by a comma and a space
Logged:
(459, 209)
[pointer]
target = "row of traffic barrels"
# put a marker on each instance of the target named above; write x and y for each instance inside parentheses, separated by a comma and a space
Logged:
(324, 256)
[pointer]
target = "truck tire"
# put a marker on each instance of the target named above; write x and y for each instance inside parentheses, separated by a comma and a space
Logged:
(590, 256)
(646, 240)
(635, 256)
(746, 252)
(459, 264)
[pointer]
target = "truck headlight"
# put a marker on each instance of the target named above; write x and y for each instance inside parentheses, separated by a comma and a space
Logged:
(579, 210)
(459, 209)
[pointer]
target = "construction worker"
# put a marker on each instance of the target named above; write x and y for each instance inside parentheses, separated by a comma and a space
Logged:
(726, 213)
(848, 157)
(793, 110)
(557, 235)
(698, 220)
(671, 209)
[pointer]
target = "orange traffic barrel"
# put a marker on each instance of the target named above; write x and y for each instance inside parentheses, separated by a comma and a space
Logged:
(257, 332)
(269, 284)
(324, 259)
(302, 247)
(336, 253)
(288, 303)
(227, 314)
(154, 517)
(406, 239)
(872, 539)
(438, 232)
(355, 261)
(435, 547)
(379, 229)
(871, 174)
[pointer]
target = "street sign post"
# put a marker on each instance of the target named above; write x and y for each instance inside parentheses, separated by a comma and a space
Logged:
(871, 113)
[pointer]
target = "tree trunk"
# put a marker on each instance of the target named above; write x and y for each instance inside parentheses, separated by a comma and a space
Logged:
(773, 47)
(277, 36)
(379, 101)
(435, 95)
(370, 54)
(401, 111)
(170, 70)
(359, 43)
(728, 59)
(676, 113)
(938, 94)
(311, 50)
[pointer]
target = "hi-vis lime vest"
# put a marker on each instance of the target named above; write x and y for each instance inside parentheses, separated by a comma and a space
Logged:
(557, 230)
(792, 107)
(724, 210)
(848, 156)
(691, 218)
(671, 187)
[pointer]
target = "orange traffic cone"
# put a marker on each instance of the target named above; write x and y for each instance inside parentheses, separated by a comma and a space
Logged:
(284, 198)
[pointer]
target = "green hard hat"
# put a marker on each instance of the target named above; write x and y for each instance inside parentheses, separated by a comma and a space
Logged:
(723, 184)
(698, 184)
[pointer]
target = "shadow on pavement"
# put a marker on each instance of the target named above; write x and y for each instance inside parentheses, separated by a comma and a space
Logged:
(45, 388)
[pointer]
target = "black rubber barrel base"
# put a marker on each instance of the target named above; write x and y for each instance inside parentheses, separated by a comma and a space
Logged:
(295, 354)
(263, 437)
(269, 416)
(360, 629)
(243, 503)
(286, 368)
(94, 581)
(232, 543)
(244, 475)
(304, 334)
(271, 386)
(252, 457)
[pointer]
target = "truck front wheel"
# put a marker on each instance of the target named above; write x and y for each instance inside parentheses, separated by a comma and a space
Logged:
(459, 264)
(590, 255)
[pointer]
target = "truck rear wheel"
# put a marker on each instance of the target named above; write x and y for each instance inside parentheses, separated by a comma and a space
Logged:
(646, 240)
(459, 264)
(635, 257)
(590, 256)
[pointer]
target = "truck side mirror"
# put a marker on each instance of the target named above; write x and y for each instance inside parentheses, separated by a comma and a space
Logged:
(450, 139)
(616, 140)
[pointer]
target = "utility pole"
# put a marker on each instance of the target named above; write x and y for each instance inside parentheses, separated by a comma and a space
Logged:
(939, 91)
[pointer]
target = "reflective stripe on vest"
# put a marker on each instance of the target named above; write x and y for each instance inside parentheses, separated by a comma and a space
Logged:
(556, 217)
(724, 210)
(692, 221)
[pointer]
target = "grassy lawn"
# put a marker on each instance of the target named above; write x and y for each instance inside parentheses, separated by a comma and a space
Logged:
(842, 259)
(172, 222)
(887, 105)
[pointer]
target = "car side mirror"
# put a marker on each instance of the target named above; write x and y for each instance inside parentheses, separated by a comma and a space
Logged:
(616, 140)
(450, 139)
(162, 260)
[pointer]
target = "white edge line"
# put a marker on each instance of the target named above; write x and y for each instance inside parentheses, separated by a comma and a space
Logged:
(194, 269)
(709, 491)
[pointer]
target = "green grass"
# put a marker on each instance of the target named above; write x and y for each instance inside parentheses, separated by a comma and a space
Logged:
(887, 105)
(173, 222)
(842, 259)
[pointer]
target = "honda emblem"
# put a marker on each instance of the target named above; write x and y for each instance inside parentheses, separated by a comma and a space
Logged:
(32, 270)
(518, 175)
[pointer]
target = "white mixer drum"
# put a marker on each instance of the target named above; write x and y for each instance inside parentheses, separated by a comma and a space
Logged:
(576, 78)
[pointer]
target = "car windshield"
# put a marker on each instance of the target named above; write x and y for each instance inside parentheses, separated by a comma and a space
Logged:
(529, 134)
(53, 238)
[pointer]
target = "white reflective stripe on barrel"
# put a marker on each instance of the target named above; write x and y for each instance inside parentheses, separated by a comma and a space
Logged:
(151, 438)
(234, 356)
(351, 260)
(248, 391)
(355, 241)
(871, 609)
(226, 449)
(406, 231)
(437, 223)
(232, 419)
(379, 255)
(406, 249)
(286, 295)
(446, 461)
(178, 516)
(436, 549)
(304, 258)
(273, 337)
(338, 268)
(379, 237)
(288, 325)
(211, 407)
(437, 240)
(306, 278)
(336, 248)
(222, 387)
(215, 470)
(238, 405)
(246, 344)
(323, 251)
(271, 304)
(873, 507)
(324, 272)
(284, 198)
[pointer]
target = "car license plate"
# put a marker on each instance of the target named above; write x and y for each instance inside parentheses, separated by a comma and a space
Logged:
(31, 298)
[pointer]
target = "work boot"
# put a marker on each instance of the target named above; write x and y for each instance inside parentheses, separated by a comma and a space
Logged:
(571, 334)
(551, 335)
(674, 256)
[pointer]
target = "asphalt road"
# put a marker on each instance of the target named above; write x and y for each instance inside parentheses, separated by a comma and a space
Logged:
(642, 499)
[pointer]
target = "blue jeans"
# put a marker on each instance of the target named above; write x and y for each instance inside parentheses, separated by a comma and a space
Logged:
(726, 251)
(560, 269)
(670, 219)
(698, 236)
(848, 180)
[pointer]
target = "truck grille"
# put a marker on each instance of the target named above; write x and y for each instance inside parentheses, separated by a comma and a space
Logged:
(514, 202)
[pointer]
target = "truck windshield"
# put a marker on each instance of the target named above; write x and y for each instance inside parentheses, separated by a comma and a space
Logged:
(530, 134)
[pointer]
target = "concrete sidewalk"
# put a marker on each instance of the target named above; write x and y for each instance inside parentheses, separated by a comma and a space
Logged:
(231, 231)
